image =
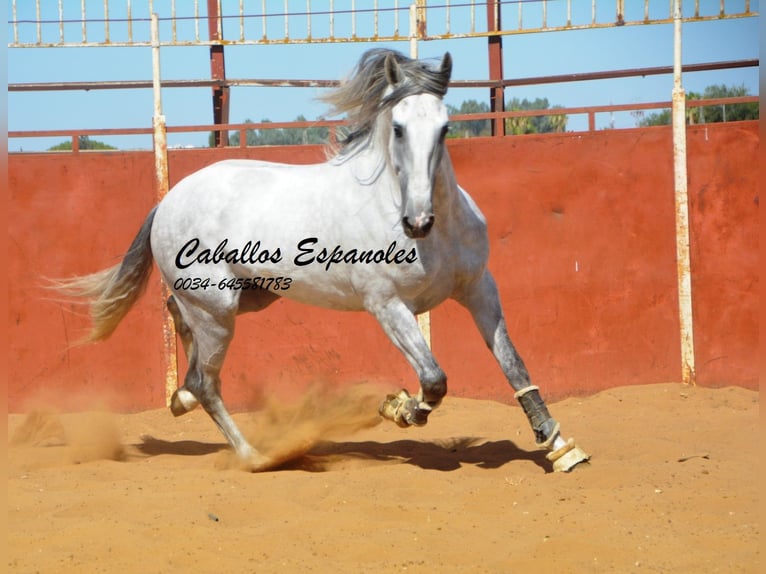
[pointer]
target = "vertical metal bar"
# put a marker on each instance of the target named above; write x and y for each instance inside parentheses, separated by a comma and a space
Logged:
(15, 23)
(495, 50)
(218, 72)
(263, 19)
(130, 22)
(569, 13)
(447, 19)
(241, 20)
(375, 31)
(106, 21)
(220, 19)
(39, 25)
(287, 22)
(413, 31)
(173, 20)
(332, 19)
(161, 170)
(196, 20)
(308, 20)
(353, 19)
(61, 20)
(84, 29)
(545, 14)
(424, 324)
(420, 20)
(396, 18)
(683, 260)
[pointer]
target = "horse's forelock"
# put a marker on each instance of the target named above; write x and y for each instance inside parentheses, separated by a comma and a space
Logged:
(366, 94)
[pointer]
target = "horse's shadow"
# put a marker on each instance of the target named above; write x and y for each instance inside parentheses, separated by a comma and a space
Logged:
(444, 455)
(152, 446)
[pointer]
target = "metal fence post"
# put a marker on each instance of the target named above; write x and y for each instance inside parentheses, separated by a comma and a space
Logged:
(417, 28)
(218, 72)
(683, 260)
(170, 357)
(495, 52)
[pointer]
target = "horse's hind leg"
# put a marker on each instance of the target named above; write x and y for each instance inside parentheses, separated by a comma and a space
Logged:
(483, 301)
(210, 335)
(182, 400)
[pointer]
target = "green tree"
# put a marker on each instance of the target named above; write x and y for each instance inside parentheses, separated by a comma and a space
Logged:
(726, 112)
(709, 114)
(534, 124)
(662, 118)
(469, 128)
(523, 125)
(84, 142)
(277, 136)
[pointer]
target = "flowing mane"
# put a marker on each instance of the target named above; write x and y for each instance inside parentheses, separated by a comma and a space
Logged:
(367, 92)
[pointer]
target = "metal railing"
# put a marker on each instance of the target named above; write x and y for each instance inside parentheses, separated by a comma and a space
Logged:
(332, 126)
(76, 23)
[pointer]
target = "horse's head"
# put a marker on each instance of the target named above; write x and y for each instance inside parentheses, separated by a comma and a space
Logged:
(419, 125)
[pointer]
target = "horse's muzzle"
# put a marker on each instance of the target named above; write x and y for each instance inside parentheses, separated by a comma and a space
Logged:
(418, 228)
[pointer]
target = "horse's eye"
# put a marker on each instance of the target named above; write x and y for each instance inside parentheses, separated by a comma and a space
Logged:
(445, 131)
(398, 131)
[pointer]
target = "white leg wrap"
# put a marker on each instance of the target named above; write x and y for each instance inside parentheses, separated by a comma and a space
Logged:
(525, 390)
(565, 458)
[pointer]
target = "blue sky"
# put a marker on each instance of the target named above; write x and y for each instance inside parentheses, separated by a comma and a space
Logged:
(525, 55)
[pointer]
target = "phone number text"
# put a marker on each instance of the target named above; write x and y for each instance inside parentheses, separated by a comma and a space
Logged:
(232, 284)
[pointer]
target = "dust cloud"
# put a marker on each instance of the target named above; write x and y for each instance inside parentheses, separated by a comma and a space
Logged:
(87, 436)
(286, 432)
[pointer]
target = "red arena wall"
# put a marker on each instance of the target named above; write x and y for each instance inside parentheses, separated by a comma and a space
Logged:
(582, 248)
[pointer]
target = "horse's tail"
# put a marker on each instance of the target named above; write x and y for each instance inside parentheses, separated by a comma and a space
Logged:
(111, 293)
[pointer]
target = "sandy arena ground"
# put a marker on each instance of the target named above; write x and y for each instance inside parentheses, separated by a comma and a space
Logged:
(672, 487)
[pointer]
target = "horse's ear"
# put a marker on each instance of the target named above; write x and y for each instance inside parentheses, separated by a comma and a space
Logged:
(446, 67)
(393, 72)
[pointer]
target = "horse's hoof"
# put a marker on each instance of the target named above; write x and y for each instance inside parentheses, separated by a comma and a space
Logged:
(259, 463)
(567, 457)
(419, 414)
(182, 402)
(391, 408)
(405, 410)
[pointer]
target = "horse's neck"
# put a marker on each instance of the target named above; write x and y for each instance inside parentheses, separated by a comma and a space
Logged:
(446, 197)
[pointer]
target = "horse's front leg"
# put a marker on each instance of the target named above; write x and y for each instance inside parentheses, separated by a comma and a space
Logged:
(400, 325)
(482, 300)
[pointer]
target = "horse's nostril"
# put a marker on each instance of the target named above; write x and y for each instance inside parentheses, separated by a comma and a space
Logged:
(420, 228)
